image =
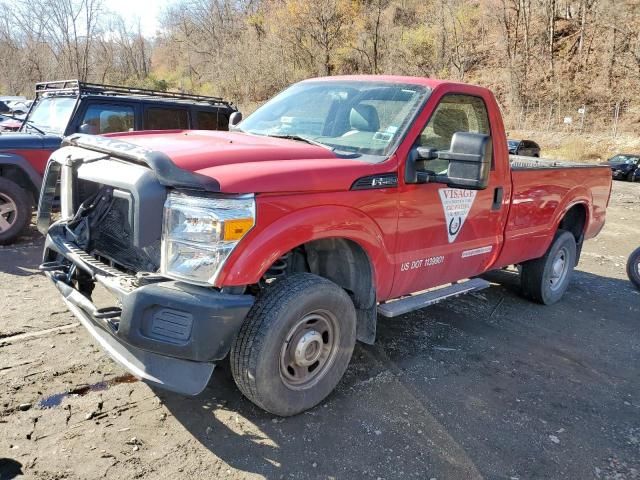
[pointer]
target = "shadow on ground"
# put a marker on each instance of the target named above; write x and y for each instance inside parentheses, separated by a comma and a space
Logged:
(9, 468)
(23, 257)
(484, 385)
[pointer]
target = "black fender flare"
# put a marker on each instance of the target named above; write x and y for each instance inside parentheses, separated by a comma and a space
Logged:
(22, 164)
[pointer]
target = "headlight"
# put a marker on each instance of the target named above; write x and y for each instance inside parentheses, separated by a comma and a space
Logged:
(199, 234)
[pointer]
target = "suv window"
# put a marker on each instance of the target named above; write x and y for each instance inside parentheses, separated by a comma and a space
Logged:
(99, 119)
(207, 120)
(156, 118)
(454, 113)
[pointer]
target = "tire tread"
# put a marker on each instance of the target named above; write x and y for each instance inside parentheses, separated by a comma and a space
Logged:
(531, 278)
(24, 204)
(244, 353)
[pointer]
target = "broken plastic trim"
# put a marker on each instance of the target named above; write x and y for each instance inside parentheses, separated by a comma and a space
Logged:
(167, 173)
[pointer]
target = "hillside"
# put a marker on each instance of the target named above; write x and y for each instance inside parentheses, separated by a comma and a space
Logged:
(545, 59)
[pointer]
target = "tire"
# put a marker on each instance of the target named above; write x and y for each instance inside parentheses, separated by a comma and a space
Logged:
(633, 267)
(16, 207)
(630, 176)
(545, 279)
(292, 321)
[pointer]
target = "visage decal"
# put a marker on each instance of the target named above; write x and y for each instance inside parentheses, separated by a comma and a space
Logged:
(456, 204)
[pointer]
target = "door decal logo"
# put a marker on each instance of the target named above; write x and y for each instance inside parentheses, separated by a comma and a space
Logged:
(456, 204)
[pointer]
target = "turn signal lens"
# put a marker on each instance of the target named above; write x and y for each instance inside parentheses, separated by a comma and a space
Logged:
(236, 229)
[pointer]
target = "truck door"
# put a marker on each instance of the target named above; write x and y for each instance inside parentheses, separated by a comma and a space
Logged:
(448, 234)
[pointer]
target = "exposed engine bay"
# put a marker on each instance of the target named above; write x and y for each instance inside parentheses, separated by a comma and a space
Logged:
(102, 227)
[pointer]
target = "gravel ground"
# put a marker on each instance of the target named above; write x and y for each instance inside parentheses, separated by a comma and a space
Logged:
(483, 386)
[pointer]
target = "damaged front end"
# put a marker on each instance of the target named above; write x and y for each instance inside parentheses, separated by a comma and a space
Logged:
(108, 231)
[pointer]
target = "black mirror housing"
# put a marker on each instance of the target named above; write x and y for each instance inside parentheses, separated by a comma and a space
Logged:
(469, 160)
(411, 173)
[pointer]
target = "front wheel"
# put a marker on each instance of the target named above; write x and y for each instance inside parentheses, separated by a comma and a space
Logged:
(633, 267)
(15, 210)
(295, 344)
(545, 279)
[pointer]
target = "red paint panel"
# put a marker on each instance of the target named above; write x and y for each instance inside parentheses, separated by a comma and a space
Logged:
(366, 217)
(541, 197)
(36, 157)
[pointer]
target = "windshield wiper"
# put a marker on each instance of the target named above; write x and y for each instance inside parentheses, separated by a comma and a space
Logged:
(29, 123)
(300, 138)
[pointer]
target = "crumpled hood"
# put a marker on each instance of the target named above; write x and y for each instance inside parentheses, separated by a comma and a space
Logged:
(26, 141)
(244, 163)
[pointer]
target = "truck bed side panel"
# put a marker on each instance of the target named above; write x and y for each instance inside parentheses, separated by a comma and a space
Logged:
(540, 199)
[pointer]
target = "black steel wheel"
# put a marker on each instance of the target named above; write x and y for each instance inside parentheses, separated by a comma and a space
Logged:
(295, 344)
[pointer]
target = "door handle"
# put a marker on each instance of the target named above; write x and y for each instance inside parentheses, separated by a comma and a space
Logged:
(497, 198)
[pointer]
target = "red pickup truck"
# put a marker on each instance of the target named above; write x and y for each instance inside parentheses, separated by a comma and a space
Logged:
(280, 243)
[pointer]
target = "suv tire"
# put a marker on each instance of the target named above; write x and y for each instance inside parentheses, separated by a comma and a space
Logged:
(295, 344)
(16, 207)
(633, 267)
(545, 279)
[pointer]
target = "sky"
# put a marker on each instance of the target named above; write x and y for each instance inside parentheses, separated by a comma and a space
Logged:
(148, 11)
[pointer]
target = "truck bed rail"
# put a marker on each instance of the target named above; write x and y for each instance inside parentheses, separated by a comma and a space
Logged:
(519, 162)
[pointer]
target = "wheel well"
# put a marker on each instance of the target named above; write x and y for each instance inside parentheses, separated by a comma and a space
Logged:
(574, 221)
(18, 176)
(346, 264)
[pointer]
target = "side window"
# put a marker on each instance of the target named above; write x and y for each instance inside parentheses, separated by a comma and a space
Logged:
(454, 113)
(207, 120)
(103, 118)
(157, 118)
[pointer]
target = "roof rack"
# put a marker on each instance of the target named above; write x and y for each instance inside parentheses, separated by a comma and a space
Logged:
(83, 88)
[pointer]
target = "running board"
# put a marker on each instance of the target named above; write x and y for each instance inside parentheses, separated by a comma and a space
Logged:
(416, 302)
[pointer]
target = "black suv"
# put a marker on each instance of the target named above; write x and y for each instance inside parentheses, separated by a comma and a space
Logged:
(624, 166)
(64, 107)
(525, 148)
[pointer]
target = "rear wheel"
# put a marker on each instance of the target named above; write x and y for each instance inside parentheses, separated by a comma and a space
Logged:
(633, 268)
(295, 344)
(15, 210)
(545, 279)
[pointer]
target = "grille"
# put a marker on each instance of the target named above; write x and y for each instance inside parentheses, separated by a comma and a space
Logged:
(113, 238)
(112, 235)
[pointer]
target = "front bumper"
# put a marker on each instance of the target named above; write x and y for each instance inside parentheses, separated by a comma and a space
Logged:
(169, 334)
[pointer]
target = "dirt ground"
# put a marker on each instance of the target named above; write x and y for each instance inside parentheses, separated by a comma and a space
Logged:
(483, 386)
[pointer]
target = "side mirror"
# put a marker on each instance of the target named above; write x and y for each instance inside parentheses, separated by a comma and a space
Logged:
(413, 174)
(469, 160)
(234, 119)
(85, 128)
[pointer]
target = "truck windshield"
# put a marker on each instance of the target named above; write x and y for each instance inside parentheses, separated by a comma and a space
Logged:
(356, 119)
(50, 115)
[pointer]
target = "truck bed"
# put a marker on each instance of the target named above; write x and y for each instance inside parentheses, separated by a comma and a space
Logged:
(542, 191)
